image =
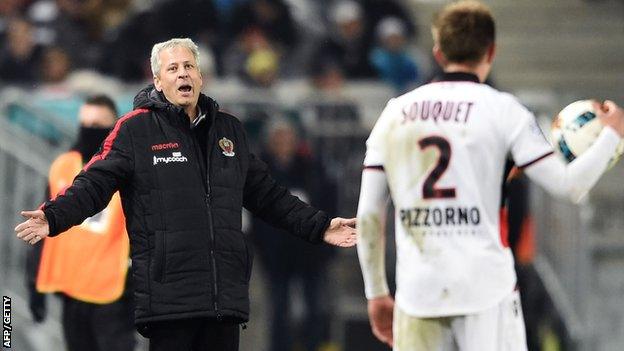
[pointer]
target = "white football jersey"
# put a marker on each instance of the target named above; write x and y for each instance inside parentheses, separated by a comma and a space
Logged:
(443, 147)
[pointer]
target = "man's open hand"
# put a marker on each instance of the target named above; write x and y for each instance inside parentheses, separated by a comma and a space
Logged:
(35, 228)
(341, 232)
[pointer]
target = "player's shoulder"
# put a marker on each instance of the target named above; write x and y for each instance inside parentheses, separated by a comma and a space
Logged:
(435, 88)
(502, 97)
(500, 100)
(409, 97)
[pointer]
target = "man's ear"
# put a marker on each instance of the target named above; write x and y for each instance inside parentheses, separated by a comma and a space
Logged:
(438, 55)
(157, 83)
(491, 52)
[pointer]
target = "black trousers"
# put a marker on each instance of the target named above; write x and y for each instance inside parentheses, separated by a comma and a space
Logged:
(93, 327)
(194, 335)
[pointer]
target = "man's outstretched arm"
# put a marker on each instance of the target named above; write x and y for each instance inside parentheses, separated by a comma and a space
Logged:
(89, 194)
(274, 204)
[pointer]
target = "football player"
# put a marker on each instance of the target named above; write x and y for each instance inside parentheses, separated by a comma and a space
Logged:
(440, 150)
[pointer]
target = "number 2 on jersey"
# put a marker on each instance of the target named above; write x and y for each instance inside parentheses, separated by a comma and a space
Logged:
(429, 189)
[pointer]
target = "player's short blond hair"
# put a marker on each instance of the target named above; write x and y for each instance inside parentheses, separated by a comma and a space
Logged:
(464, 31)
(171, 43)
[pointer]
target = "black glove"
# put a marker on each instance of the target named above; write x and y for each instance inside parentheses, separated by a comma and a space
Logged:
(37, 305)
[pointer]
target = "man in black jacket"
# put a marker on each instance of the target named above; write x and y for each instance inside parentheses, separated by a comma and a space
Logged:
(184, 172)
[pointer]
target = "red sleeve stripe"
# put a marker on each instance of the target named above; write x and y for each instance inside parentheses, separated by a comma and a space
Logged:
(374, 168)
(108, 142)
(60, 193)
(536, 160)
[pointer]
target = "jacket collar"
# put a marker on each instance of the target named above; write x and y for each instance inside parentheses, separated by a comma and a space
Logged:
(457, 77)
(154, 100)
(201, 115)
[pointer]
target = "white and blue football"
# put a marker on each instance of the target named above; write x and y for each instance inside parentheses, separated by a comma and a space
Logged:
(576, 128)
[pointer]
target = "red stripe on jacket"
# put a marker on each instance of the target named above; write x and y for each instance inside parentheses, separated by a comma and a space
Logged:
(60, 193)
(108, 142)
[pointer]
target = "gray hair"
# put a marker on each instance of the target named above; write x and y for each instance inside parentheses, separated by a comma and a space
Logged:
(171, 43)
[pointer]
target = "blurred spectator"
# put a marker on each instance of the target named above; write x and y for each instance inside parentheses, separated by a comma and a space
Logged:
(254, 59)
(287, 259)
(327, 77)
(112, 13)
(8, 10)
(262, 68)
(12, 7)
(88, 266)
(391, 59)
(126, 46)
(19, 54)
(55, 66)
(308, 16)
(329, 111)
(377, 10)
(349, 46)
(74, 26)
(256, 25)
(226, 7)
(184, 18)
(97, 16)
(271, 17)
(42, 14)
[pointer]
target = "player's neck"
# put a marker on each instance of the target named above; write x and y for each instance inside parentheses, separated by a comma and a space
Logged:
(480, 70)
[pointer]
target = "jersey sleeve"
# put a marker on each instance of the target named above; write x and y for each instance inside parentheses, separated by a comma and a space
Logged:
(575, 179)
(526, 140)
(371, 229)
(377, 140)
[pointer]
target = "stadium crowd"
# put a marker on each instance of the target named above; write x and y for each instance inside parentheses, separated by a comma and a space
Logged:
(258, 41)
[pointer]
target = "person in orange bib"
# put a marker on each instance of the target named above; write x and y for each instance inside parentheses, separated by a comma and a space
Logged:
(88, 265)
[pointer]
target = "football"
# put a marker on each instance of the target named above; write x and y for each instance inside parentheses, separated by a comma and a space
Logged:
(575, 129)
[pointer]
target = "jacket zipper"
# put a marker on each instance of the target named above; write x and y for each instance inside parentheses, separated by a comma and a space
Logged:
(211, 226)
(212, 257)
(198, 154)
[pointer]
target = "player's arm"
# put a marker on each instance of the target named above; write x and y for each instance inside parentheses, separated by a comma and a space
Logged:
(371, 251)
(371, 231)
(372, 206)
(575, 179)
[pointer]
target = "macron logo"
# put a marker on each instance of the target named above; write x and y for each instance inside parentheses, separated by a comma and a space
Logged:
(175, 157)
(158, 147)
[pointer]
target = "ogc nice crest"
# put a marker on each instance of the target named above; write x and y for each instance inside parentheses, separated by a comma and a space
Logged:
(227, 146)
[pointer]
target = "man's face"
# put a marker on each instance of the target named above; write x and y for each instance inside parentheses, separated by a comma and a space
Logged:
(179, 77)
(96, 116)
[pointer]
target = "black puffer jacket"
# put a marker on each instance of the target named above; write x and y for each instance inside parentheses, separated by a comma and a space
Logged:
(190, 258)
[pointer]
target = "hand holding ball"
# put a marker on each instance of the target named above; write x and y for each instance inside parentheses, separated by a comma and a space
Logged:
(576, 128)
